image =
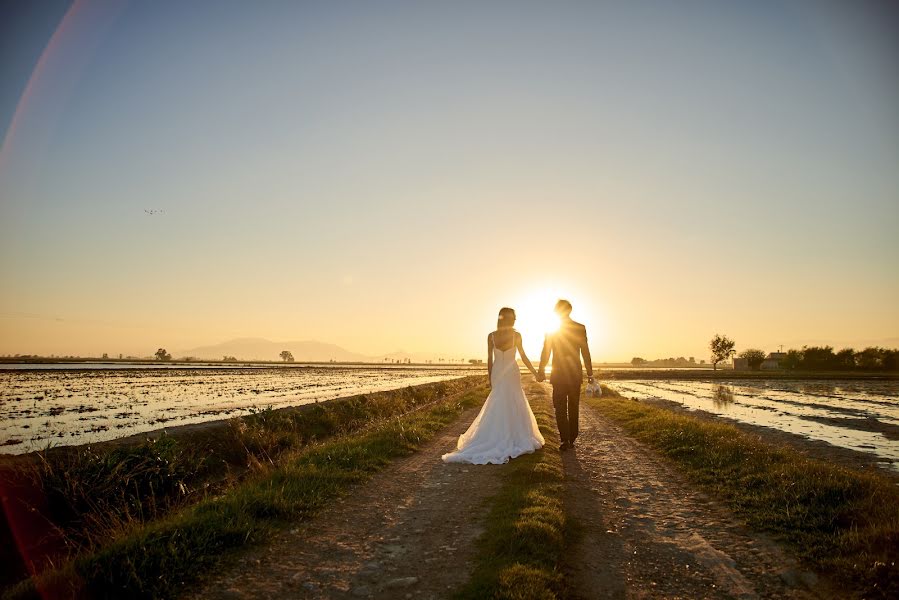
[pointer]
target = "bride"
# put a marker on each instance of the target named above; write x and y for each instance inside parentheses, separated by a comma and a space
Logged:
(505, 427)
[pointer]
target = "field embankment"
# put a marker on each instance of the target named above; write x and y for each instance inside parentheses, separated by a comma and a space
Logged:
(838, 520)
(142, 517)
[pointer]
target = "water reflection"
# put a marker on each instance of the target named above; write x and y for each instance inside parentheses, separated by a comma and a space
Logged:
(723, 397)
(859, 415)
(819, 388)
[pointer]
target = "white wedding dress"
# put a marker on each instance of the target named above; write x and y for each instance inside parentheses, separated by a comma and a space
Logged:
(505, 427)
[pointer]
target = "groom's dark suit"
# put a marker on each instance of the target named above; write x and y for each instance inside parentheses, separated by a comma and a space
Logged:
(566, 346)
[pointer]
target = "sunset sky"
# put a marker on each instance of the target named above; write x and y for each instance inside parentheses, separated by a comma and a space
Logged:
(387, 175)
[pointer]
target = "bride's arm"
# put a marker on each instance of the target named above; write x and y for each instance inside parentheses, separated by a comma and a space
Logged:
(524, 357)
(489, 359)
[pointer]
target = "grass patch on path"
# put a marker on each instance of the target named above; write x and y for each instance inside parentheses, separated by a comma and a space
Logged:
(161, 558)
(840, 521)
(519, 555)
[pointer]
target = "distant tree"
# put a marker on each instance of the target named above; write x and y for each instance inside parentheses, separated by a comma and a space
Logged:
(227, 358)
(638, 362)
(792, 360)
(286, 356)
(878, 359)
(819, 358)
(754, 357)
(890, 360)
(845, 359)
(722, 348)
(161, 354)
(870, 359)
(105, 356)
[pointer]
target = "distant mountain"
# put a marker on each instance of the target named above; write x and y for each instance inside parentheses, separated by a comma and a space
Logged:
(262, 349)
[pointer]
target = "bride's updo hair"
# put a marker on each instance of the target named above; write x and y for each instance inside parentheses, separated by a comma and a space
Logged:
(506, 318)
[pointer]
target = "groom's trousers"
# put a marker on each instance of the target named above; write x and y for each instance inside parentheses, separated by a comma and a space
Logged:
(566, 401)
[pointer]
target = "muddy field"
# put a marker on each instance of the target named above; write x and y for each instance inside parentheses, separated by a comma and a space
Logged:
(857, 415)
(55, 407)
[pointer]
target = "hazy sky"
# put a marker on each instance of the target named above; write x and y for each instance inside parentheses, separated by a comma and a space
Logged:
(386, 175)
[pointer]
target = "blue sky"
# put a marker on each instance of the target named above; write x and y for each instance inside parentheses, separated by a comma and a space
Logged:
(387, 175)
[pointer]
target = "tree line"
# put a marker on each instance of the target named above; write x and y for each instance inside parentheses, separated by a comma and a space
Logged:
(809, 358)
(679, 362)
(823, 358)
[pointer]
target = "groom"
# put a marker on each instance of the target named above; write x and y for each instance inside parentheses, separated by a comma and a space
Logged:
(566, 346)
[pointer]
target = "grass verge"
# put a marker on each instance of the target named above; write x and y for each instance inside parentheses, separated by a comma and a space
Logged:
(841, 522)
(159, 558)
(520, 552)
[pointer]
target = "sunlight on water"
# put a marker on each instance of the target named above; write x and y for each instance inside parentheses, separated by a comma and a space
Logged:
(64, 407)
(859, 415)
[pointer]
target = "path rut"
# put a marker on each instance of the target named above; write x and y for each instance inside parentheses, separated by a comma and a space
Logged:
(647, 533)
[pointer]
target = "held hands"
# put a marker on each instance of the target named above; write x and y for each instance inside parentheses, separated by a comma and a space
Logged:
(541, 376)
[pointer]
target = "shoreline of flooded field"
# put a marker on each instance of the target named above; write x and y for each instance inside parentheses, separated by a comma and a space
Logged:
(862, 416)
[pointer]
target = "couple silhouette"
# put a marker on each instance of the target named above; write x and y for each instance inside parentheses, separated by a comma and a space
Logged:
(505, 427)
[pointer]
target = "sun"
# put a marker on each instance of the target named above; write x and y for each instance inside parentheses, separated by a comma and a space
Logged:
(535, 316)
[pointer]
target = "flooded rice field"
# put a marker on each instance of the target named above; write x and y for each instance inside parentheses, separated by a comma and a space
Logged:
(57, 407)
(858, 415)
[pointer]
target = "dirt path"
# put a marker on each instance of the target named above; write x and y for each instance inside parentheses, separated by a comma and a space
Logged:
(407, 532)
(648, 533)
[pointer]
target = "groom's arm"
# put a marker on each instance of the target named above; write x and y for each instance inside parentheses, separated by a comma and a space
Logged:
(585, 352)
